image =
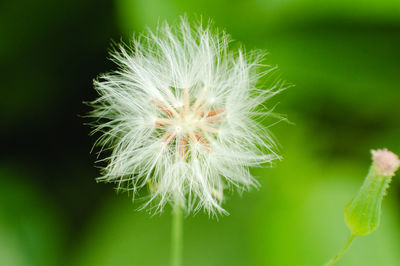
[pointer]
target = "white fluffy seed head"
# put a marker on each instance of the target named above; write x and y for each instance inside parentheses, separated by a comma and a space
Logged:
(181, 117)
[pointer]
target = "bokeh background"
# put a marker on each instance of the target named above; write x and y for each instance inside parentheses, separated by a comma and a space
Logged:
(343, 57)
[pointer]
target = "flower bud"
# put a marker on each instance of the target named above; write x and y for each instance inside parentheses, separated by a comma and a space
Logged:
(362, 213)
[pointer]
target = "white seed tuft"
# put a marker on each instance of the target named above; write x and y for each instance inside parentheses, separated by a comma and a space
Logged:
(180, 116)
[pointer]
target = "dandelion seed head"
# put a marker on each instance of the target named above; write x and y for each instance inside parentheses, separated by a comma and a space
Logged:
(182, 116)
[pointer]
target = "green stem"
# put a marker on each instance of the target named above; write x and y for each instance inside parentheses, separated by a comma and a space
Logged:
(342, 251)
(177, 236)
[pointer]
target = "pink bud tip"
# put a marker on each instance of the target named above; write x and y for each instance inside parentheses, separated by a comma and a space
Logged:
(386, 162)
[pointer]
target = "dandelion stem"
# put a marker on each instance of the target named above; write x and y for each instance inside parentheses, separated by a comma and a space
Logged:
(177, 236)
(342, 251)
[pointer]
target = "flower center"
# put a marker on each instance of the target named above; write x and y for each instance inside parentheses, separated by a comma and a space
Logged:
(186, 124)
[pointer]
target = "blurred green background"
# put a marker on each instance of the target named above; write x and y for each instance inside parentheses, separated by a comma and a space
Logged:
(343, 57)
